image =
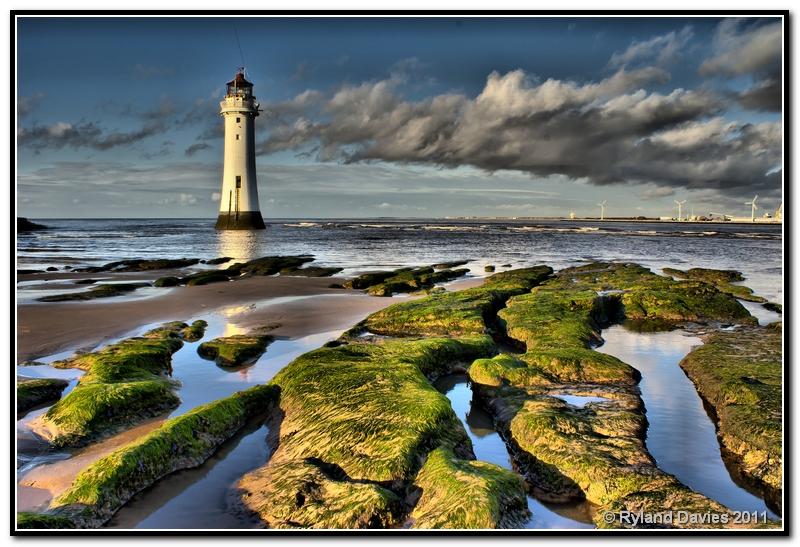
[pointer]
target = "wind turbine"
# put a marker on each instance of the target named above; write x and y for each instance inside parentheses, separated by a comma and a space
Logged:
(602, 209)
(680, 209)
(753, 210)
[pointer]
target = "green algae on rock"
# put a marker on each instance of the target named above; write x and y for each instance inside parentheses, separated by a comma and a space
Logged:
(204, 278)
(311, 271)
(739, 374)
(309, 494)
(217, 261)
(359, 414)
(32, 392)
(597, 451)
(268, 265)
(195, 331)
(179, 443)
(236, 350)
(467, 494)
(722, 279)
(27, 520)
(403, 280)
(456, 313)
(141, 265)
(450, 265)
(125, 383)
(104, 290)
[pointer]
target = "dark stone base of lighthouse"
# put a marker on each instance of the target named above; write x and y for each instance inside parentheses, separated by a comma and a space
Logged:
(243, 220)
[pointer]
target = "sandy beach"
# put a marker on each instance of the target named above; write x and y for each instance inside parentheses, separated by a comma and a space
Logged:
(48, 328)
(301, 307)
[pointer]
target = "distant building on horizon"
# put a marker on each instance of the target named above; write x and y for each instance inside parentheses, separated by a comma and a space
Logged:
(238, 204)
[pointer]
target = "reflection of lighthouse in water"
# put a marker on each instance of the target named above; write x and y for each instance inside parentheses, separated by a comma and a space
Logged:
(238, 208)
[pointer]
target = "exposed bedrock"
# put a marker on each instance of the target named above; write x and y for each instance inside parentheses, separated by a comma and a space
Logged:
(103, 290)
(32, 392)
(595, 451)
(364, 440)
(236, 350)
(404, 280)
(739, 374)
(722, 279)
(358, 423)
(179, 443)
(457, 313)
(125, 383)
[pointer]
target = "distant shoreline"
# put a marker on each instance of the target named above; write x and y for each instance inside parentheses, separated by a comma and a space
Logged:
(634, 220)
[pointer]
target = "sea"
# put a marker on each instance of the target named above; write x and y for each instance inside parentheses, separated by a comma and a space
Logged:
(376, 243)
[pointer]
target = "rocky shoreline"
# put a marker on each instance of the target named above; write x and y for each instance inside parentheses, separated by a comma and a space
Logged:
(361, 438)
(738, 373)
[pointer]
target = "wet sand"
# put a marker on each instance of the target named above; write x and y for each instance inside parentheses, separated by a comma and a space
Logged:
(48, 328)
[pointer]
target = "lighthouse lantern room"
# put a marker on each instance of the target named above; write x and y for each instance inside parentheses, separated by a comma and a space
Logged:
(238, 208)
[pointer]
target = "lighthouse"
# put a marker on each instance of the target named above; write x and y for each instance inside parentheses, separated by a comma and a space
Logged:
(238, 204)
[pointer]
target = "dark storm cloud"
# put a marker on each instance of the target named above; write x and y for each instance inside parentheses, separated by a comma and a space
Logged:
(193, 149)
(60, 135)
(755, 51)
(611, 131)
(82, 135)
(763, 96)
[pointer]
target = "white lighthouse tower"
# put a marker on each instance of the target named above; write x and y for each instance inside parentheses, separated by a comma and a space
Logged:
(238, 204)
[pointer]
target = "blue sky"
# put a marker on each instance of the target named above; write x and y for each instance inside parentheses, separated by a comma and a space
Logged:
(401, 117)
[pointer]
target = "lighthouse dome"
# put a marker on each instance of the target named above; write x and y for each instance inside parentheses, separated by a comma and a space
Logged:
(239, 86)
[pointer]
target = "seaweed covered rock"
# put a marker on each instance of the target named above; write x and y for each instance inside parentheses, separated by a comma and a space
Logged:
(468, 494)
(739, 374)
(311, 271)
(179, 443)
(450, 265)
(387, 283)
(217, 261)
(27, 520)
(169, 281)
(104, 290)
(32, 392)
(195, 331)
(204, 278)
(456, 313)
(236, 350)
(268, 265)
(722, 279)
(596, 451)
(309, 494)
(141, 265)
(358, 414)
(125, 383)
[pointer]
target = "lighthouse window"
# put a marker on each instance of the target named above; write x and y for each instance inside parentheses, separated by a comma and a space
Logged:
(238, 181)
(237, 137)
(238, 120)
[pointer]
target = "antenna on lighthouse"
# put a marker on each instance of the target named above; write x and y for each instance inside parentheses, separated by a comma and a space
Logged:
(239, 44)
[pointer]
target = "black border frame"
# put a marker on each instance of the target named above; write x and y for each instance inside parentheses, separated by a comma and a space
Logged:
(787, 271)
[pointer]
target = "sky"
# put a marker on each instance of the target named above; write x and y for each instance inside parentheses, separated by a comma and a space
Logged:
(366, 117)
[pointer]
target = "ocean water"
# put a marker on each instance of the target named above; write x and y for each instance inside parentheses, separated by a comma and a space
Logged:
(359, 244)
